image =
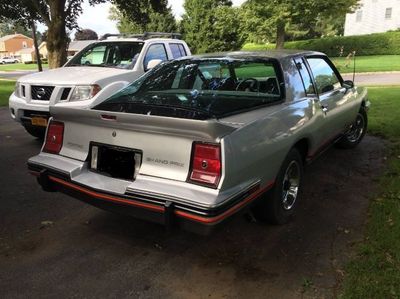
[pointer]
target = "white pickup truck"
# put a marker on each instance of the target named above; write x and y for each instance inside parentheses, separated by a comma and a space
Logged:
(93, 74)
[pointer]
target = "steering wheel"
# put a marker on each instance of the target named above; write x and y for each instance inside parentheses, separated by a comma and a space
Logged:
(253, 85)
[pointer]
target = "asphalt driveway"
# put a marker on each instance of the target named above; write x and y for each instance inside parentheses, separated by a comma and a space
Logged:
(55, 246)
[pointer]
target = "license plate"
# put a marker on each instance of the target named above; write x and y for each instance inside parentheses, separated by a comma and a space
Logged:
(114, 161)
(39, 121)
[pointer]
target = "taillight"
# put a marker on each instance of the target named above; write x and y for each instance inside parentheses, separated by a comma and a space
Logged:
(54, 137)
(206, 164)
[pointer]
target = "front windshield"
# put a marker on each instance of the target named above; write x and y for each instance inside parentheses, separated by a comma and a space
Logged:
(121, 55)
(200, 88)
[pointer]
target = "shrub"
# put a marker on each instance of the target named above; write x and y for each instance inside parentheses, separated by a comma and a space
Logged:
(387, 43)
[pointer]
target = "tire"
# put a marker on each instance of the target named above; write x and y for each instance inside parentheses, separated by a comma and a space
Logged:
(356, 133)
(277, 206)
(37, 132)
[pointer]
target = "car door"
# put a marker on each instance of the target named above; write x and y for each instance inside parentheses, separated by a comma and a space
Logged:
(332, 97)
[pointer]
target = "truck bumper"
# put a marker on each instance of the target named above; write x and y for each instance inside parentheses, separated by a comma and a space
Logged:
(190, 215)
(23, 111)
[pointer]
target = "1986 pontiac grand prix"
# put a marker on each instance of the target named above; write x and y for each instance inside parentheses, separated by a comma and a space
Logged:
(199, 139)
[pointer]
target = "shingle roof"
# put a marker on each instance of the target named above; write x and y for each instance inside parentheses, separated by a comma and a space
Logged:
(78, 45)
(26, 51)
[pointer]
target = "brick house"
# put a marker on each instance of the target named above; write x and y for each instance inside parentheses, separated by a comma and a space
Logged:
(11, 44)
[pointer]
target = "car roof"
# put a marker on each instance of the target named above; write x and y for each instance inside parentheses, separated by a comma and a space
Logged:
(276, 54)
(132, 39)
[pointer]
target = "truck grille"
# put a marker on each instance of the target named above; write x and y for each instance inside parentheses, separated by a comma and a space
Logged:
(41, 93)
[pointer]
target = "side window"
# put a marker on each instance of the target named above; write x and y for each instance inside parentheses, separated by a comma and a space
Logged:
(325, 77)
(155, 51)
(305, 76)
(178, 50)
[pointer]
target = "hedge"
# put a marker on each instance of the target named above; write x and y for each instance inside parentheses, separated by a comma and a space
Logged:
(387, 43)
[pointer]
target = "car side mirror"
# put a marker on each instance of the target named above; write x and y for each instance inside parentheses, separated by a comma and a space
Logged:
(348, 84)
(153, 63)
(327, 88)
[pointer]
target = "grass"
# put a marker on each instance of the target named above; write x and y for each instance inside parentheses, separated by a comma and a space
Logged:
(9, 67)
(6, 88)
(378, 63)
(375, 271)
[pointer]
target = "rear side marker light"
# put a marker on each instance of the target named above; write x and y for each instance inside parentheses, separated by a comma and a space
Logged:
(54, 137)
(206, 164)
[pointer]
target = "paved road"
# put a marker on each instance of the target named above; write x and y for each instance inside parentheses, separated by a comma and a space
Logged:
(88, 253)
(14, 75)
(392, 78)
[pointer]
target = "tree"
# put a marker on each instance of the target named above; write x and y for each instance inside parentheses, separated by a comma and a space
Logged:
(86, 34)
(10, 27)
(280, 16)
(163, 21)
(210, 25)
(60, 15)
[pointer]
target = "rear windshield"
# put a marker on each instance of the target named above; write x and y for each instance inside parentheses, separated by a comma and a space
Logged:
(121, 55)
(201, 89)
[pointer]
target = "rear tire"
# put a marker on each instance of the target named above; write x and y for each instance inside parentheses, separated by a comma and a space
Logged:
(37, 132)
(356, 132)
(278, 205)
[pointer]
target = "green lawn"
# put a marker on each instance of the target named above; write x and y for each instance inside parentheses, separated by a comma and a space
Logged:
(378, 63)
(6, 88)
(19, 66)
(375, 271)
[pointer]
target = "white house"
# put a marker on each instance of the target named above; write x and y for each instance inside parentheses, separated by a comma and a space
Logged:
(373, 16)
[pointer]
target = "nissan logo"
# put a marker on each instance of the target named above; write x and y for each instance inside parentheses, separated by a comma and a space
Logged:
(40, 93)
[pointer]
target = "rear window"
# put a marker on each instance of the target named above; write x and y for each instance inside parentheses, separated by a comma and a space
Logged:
(178, 50)
(211, 88)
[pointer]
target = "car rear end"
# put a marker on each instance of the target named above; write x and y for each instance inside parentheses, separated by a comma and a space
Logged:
(170, 171)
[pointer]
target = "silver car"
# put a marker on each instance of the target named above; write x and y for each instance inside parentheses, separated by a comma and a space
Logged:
(199, 139)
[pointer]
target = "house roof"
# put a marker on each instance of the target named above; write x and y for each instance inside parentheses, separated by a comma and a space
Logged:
(11, 36)
(78, 45)
(26, 51)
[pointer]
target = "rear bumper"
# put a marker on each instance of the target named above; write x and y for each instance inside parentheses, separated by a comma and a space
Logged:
(151, 207)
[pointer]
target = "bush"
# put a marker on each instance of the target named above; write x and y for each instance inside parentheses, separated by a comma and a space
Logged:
(387, 43)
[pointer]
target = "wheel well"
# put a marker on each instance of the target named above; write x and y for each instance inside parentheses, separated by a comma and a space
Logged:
(302, 146)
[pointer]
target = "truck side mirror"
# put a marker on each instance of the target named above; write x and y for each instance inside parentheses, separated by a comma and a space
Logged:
(152, 63)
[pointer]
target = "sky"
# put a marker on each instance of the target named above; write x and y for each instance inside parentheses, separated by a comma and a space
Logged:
(96, 17)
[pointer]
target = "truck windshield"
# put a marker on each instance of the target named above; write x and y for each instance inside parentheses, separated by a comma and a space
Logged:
(121, 55)
(201, 88)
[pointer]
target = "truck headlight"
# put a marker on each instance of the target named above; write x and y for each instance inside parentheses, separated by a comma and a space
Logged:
(17, 90)
(84, 92)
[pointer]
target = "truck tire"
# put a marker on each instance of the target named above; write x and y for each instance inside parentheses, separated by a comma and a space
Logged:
(356, 133)
(278, 205)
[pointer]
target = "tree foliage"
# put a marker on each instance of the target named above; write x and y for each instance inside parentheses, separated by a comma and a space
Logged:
(156, 21)
(272, 20)
(211, 25)
(85, 34)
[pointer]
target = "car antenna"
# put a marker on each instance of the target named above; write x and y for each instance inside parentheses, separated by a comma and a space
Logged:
(354, 66)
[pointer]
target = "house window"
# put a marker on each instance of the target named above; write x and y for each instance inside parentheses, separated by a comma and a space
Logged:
(24, 45)
(388, 13)
(359, 16)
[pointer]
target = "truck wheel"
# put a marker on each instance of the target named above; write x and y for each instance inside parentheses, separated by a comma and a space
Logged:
(37, 132)
(356, 132)
(278, 205)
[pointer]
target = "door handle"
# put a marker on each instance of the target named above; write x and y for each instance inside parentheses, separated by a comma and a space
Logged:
(324, 108)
